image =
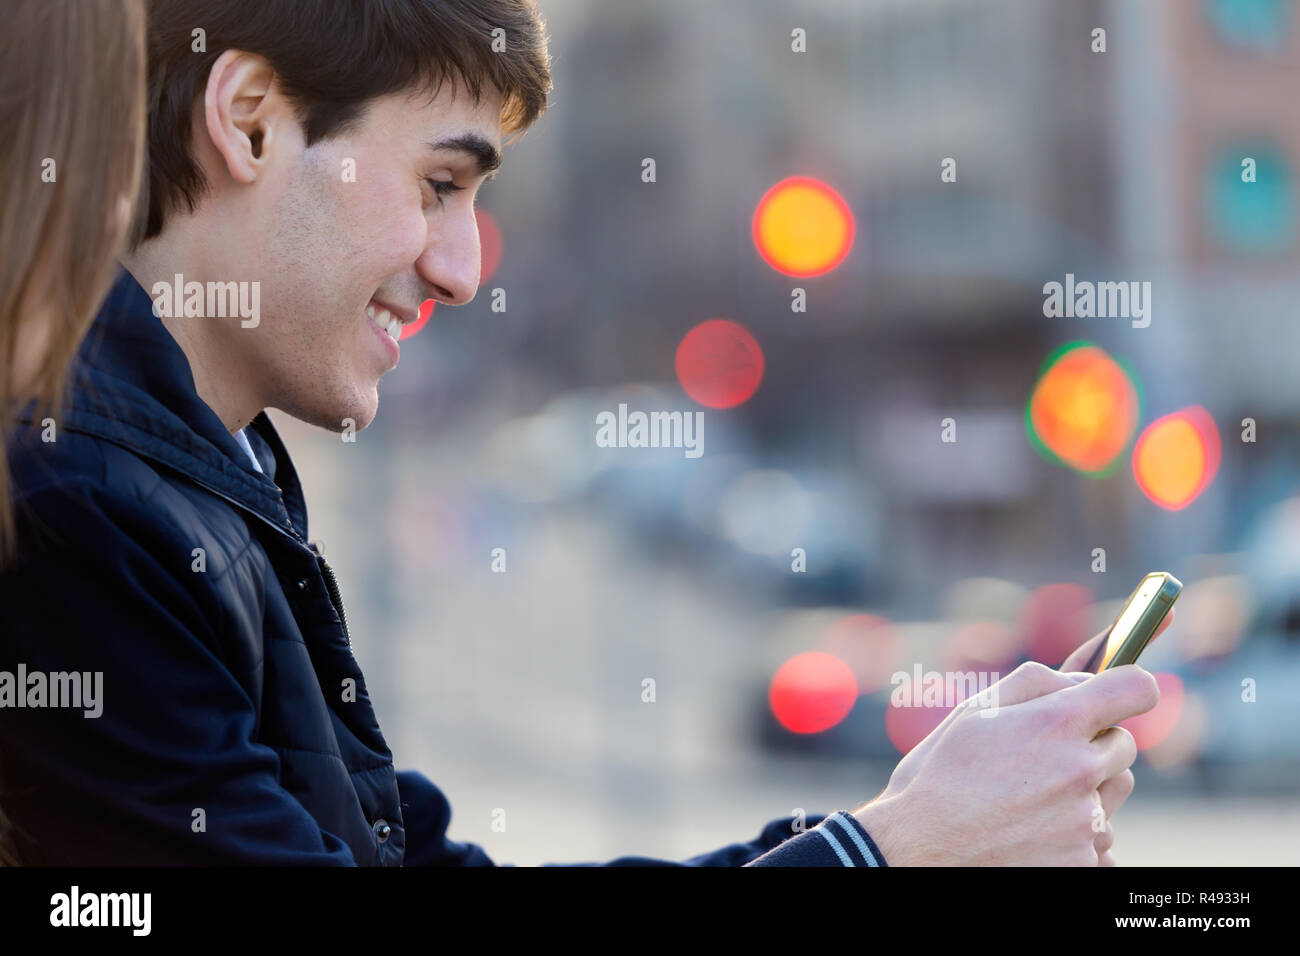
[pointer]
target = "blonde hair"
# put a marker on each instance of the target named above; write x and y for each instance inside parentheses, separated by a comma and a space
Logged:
(72, 100)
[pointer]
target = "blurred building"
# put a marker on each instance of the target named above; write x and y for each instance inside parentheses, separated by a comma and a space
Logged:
(1206, 102)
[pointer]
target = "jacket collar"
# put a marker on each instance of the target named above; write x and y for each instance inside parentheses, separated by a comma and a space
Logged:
(131, 384)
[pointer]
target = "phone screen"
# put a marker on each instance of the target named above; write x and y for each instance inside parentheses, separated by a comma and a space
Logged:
(1137, 622)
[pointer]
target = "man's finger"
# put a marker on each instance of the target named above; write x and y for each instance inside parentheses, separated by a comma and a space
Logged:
(1115, 790)
(1118, 750)
(1102, 843)
(1028, 681)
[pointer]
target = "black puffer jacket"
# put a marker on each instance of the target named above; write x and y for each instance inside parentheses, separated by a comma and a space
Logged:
(235, 726)
(225, 670)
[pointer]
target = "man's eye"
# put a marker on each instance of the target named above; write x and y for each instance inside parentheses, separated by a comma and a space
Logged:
(443, 187)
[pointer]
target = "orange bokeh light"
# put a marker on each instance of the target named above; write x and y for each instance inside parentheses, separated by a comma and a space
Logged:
(1177, 457)
(1084, 409)
(802, 227)
(812, 692)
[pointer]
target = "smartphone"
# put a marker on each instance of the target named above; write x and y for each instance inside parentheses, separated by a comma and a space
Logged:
(1145, 608)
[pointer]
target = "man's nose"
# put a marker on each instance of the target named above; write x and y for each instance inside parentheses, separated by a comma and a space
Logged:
(451, 262)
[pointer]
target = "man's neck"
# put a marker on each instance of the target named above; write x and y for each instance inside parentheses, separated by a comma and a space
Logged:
(220, 379)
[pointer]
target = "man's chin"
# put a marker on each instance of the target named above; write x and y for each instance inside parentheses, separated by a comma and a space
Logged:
(344, 419)
(357, 418)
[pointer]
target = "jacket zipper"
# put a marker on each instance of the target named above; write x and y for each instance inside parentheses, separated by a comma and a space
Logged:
(331, 584)
(336, 598)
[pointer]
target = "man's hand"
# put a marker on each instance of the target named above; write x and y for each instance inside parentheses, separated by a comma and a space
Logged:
(1115, 791)
(1073, 669)
(1023, 787)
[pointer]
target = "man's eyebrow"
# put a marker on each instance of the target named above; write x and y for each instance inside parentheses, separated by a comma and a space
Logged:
(487, 156)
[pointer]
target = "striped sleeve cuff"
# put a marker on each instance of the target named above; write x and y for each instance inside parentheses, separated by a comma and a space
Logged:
(839, 840)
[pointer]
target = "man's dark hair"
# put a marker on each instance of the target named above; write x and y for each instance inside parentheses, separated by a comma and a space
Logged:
(332, 56)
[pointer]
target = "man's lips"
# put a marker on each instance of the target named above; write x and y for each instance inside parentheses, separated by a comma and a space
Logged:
(388, 326)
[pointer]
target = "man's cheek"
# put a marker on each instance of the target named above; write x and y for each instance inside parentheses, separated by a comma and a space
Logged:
(406, 242)
(399, 236)
(392, 220)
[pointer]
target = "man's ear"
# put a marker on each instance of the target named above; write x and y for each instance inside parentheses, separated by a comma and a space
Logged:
(241, 111)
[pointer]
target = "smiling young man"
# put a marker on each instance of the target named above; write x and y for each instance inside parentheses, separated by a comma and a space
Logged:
(330, 152)
(325, 156)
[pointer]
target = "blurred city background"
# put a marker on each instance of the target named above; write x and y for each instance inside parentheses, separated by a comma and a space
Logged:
(1171, 158)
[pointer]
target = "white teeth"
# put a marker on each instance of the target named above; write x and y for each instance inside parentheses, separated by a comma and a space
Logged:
(386, 321)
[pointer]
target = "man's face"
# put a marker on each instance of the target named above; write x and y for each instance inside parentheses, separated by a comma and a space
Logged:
(363, 221)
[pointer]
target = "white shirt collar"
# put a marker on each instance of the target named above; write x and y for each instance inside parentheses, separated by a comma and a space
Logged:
(243, 442)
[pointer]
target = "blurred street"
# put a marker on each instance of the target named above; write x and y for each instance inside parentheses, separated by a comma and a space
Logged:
(511, 585)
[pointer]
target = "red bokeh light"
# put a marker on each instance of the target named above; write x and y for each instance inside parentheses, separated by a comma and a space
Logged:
(1155, 725)
(491, 246)
(1054, 621)
(719, 364)
(812, 692)
(426, 310)
(908, 726)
